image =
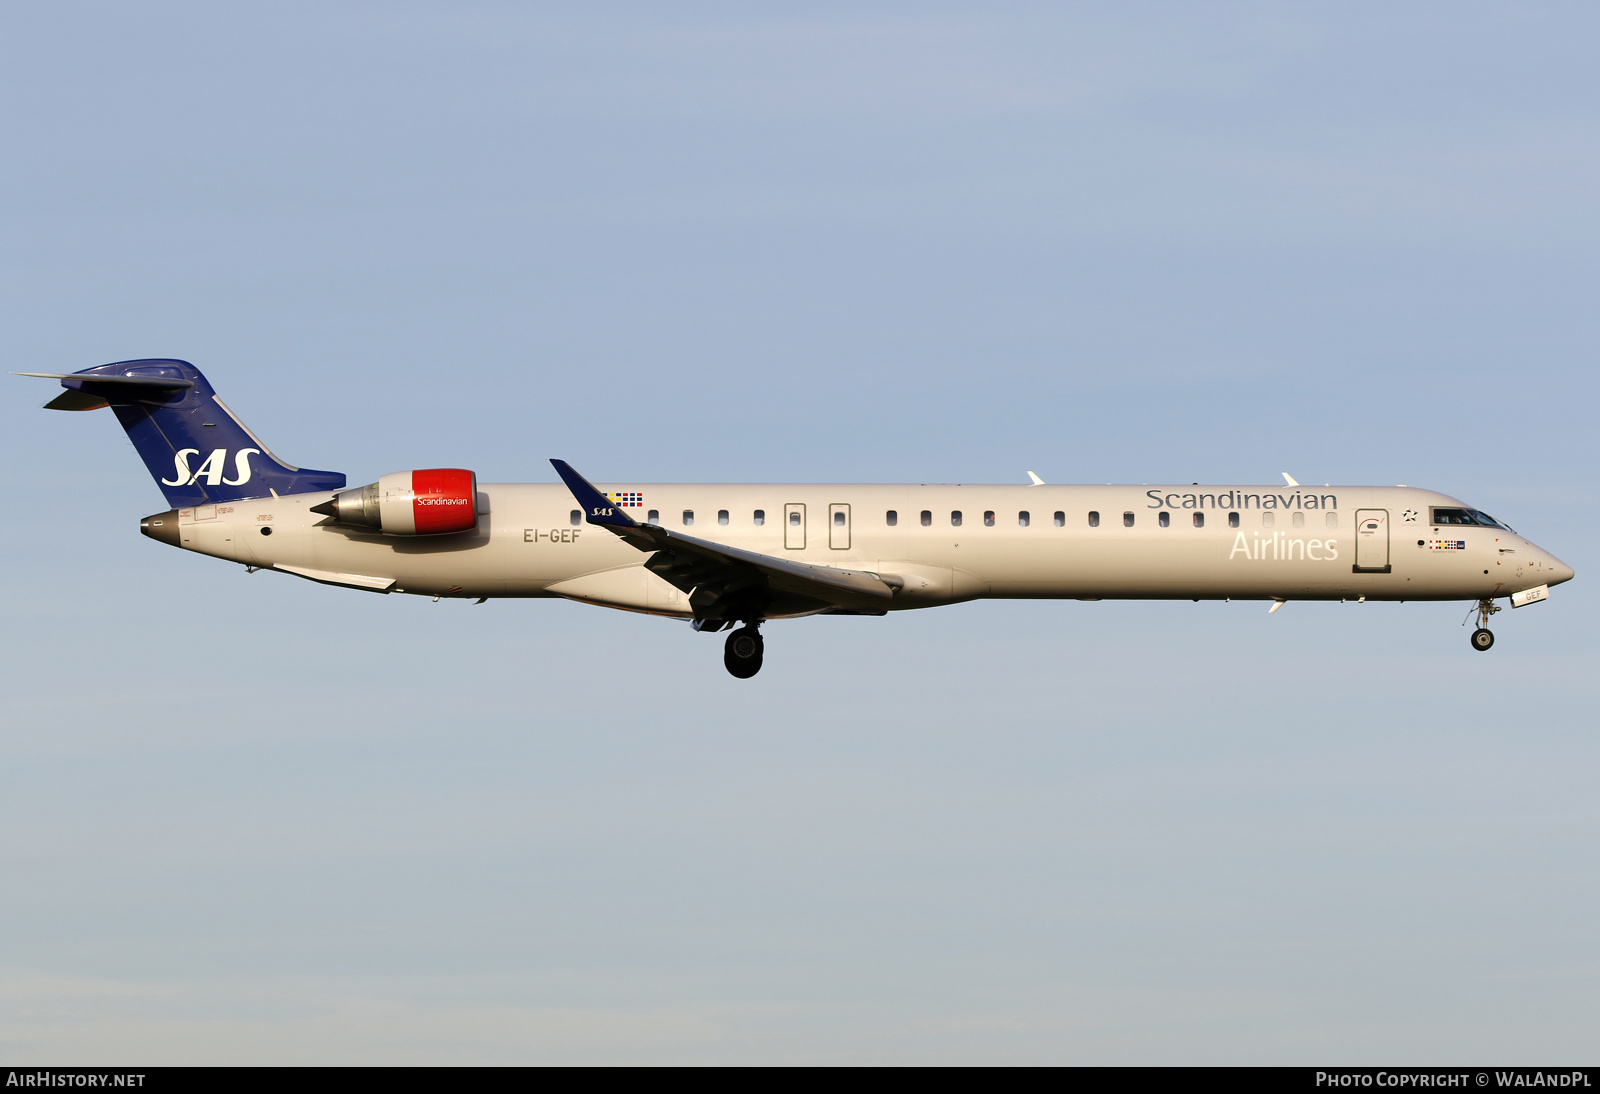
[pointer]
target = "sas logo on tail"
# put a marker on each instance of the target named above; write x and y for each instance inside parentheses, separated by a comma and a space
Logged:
(212, 469)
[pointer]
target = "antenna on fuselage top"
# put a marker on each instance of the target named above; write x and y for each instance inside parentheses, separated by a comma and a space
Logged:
(1288, 478)
(1037, 481)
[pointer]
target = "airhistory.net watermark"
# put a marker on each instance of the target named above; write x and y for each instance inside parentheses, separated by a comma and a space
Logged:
(50, 1078)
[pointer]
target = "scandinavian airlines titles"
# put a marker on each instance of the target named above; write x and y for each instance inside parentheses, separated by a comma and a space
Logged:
(1238, 499)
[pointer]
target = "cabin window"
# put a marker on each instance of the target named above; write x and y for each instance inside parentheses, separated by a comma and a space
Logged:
(1164, 519)
(1233, 520)
(1331, 519)
(838, 519)
(988, 518)
(722, 516)
(1061, 519)
(794, 518)
(654, 517)
(891, 518)
(955, 518)
(1268, 519)
(576, 517)
(1094, 519)
(688, 516)
(1298, 520)
(1023, 518)
(761, 516)
(1199, 520)
(927, 517)
(1127, 520)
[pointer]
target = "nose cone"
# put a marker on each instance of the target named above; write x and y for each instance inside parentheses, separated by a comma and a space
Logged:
(1559, 571)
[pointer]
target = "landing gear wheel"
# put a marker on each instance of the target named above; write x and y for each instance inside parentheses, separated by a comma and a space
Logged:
(1483, 638)
(742, 653)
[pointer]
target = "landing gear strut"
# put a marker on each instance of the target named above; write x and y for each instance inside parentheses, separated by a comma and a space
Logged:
(1483, 637)
(742, 653)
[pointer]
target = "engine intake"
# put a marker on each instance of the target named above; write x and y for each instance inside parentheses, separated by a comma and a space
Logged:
(433, 502)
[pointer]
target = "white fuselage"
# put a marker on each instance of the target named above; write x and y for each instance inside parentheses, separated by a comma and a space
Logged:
(1009, 541)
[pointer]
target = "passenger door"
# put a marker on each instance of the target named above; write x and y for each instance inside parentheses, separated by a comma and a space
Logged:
(1372, 541)
(794, 526)
(839, 527)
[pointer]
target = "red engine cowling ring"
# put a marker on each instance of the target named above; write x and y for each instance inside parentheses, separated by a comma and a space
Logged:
(445, 499)
(430, 502)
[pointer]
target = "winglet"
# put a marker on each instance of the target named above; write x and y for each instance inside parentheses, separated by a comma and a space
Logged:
(1288, 478)
(597, 508)
(1037, 481)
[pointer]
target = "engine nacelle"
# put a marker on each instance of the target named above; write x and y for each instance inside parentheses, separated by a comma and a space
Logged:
(433, 502)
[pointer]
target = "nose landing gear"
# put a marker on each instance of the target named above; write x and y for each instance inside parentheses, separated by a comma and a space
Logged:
(742, 652)
(1483, 637)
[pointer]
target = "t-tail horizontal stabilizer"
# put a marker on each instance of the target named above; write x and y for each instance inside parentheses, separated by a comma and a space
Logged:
(92, 392)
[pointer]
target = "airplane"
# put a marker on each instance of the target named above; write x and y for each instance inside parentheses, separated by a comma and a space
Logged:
(735, 556)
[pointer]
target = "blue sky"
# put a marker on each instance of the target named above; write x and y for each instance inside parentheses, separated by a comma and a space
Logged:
(245, 818)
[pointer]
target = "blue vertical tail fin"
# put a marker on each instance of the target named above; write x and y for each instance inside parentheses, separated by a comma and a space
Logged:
(195, 448)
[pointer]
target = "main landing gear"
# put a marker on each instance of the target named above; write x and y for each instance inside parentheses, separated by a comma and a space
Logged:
(742, 653)
(1483, 637)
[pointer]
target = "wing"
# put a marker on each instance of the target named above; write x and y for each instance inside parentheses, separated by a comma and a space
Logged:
(728, 583)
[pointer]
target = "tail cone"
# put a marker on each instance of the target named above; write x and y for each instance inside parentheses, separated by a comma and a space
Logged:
(162, 526)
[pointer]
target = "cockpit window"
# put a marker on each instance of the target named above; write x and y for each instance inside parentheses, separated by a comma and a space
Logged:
(1465, 516)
